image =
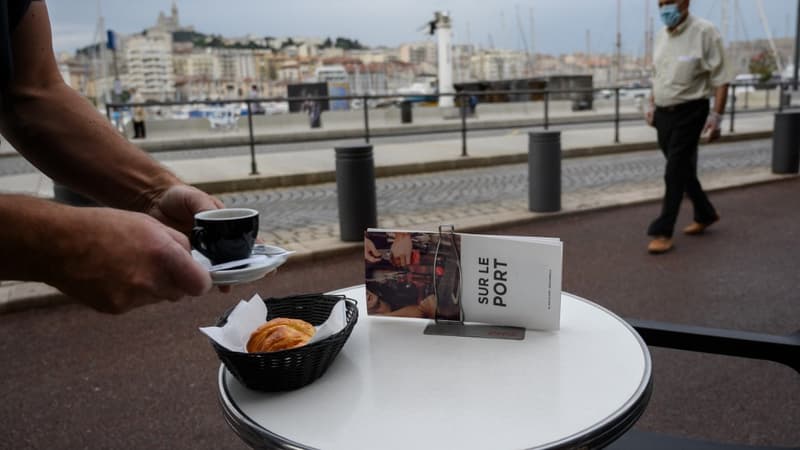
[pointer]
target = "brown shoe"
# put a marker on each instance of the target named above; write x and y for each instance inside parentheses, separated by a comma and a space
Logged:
(696, 228)
(660, 244)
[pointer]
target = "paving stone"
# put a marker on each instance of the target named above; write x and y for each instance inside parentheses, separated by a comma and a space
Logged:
(420, 195)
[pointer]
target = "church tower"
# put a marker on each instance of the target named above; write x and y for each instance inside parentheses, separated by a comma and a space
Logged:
(175, 22)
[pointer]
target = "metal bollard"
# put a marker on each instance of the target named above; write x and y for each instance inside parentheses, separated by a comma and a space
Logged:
(544, 171)
(66, 196)
(355, 187)
(786, 142)
(405, 112)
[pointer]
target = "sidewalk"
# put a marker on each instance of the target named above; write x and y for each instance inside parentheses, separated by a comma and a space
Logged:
(228, 174)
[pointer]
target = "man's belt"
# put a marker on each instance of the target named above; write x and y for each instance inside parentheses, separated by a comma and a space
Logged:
(692, 104)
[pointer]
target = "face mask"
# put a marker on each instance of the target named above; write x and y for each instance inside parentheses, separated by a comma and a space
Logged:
(670, 14)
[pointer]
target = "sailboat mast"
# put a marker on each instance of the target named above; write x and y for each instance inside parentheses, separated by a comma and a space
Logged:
(618, 58)
(768, 31)
(533, 42)
(797, 48)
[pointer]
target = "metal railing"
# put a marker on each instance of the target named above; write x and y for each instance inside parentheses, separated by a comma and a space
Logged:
(461, 101)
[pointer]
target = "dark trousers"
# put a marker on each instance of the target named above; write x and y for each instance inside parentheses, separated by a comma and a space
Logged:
(138, 130)
(679, 129)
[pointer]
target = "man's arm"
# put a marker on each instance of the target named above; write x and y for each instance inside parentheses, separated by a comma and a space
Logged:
(715, 117)
(62, 133)
(110, 259)
(721, 99)
(720, 75)
(649, 115)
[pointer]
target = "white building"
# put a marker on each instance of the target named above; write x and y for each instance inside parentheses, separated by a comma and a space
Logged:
(419, 53)
(500, 65)
(462, 60)
(148, 60)
(198, 73)
(238, 65)
(289, 72)
(204, 64)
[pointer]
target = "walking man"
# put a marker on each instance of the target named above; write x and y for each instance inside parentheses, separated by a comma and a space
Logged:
(139, 131)
(690, 66)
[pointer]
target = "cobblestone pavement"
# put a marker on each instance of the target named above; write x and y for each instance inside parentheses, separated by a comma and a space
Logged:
(305, 213)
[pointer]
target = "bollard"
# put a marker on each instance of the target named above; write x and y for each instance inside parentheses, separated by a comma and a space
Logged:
(66, 196)
(544, 171)
(355, 187)
(786, 142)
(405, 112)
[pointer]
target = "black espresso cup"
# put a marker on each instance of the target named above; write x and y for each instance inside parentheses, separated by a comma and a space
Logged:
(224, 235)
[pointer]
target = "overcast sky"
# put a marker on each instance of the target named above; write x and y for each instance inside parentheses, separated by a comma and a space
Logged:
(559, 25)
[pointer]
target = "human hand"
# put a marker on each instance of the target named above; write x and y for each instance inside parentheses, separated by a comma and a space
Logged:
(712, 126)
(649, 115)
(114, 260)
(371, 254)
(177, 205)
(401, 249)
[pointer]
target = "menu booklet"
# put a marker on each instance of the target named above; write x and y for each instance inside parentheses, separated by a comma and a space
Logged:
(496, 280)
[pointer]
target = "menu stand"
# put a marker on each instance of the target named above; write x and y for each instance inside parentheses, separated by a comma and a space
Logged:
(446, 326)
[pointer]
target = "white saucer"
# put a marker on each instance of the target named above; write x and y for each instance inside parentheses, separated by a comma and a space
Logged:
(251, 272)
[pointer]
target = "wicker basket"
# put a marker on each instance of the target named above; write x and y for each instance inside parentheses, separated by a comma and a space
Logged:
(291, 369)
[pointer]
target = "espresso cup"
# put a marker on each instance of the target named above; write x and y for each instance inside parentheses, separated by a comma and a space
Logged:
(224, 235)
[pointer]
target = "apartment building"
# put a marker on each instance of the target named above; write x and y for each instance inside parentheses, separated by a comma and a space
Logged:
(148, 65)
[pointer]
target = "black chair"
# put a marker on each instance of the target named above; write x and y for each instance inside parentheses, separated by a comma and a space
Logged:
(781, 349)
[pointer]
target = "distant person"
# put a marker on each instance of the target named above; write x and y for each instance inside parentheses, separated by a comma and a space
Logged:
(314, 110)
(690, 66)
(256, 107)
(139, 131)
(110, 259)
(473, 104)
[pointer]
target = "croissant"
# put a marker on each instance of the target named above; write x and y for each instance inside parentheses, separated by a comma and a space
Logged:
(280, 334)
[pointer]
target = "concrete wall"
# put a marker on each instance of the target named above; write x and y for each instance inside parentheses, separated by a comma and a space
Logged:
(354, 119)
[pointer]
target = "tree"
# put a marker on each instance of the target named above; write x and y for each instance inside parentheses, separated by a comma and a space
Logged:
(348, 44)
(763, 64)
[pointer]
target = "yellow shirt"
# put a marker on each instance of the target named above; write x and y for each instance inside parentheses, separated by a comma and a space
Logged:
(689, 63)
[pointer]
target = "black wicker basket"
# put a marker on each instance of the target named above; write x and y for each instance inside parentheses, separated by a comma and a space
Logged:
(291, 369)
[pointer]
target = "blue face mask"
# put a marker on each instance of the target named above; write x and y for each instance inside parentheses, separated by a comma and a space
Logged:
(670, 14)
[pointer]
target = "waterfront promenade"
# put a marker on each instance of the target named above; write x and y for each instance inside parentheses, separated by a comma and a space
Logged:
(296, 195)
(65, 380)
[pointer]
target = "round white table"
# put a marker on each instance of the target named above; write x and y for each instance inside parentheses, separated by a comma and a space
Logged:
(392, 387)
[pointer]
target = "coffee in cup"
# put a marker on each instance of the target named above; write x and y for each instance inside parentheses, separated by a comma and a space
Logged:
(224, 235)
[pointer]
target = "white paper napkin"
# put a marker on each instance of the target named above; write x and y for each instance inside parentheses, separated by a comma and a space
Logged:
(247, 316)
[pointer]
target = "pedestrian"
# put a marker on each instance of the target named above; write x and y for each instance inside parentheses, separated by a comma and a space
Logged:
(139, 131)
(256, 107)
(689, 67)
(473, 104)
(133, 252)
(314, 110)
